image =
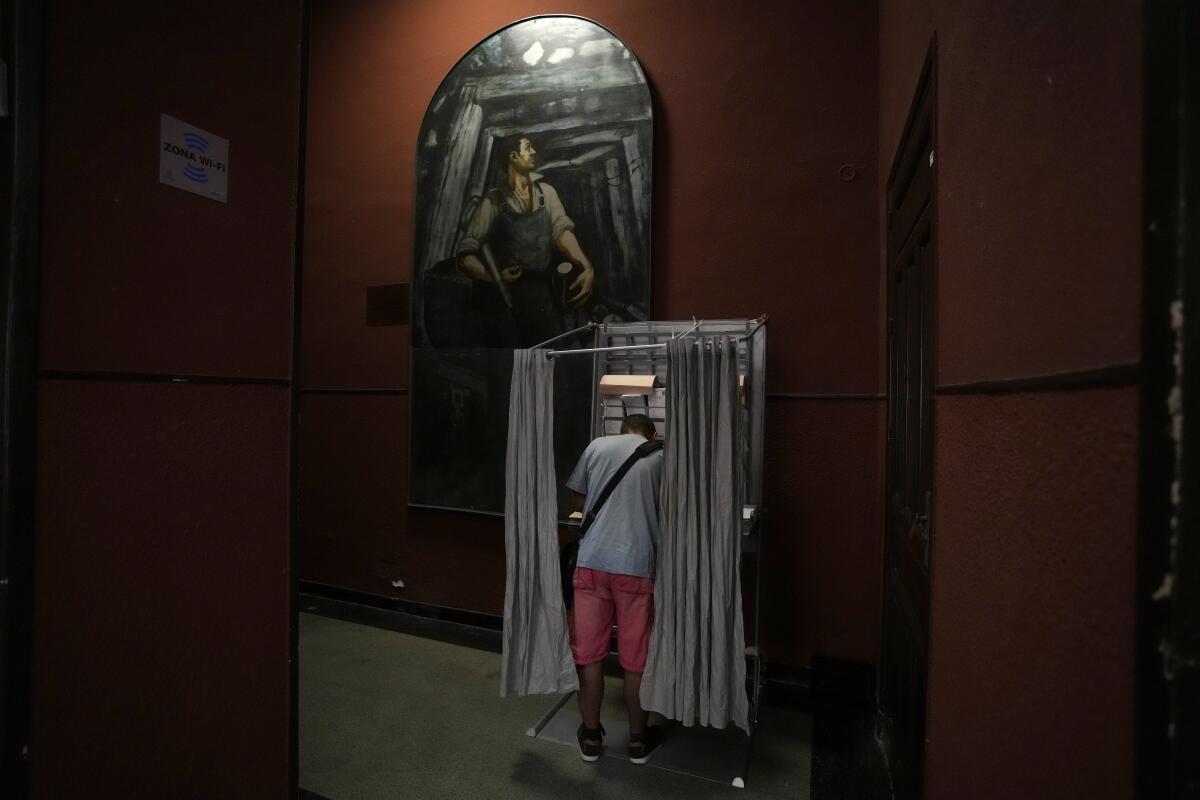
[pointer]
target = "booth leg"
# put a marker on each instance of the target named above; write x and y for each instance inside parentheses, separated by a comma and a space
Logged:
(536, 728)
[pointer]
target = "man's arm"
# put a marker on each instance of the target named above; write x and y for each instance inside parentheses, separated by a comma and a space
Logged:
(563, 230)
(471, 266)
(474, 235)
(568, 245)
(578, 483)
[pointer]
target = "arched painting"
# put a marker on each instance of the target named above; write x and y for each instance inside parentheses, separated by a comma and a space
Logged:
(532, 219)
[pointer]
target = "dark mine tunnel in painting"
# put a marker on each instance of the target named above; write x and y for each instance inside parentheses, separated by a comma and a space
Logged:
(573, 96)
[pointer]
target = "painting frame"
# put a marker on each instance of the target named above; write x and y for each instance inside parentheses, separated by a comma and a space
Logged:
(469, 118)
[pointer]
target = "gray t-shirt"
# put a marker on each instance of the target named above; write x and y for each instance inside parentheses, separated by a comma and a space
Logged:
(624, 536)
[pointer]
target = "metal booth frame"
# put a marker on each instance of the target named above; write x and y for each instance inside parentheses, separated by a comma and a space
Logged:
(639, 348)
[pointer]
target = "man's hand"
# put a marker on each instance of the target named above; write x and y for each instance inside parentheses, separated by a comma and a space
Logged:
(512, 274)
(568, 245)
(582, 286)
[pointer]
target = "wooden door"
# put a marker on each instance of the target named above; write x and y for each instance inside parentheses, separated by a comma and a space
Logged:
(908, 527)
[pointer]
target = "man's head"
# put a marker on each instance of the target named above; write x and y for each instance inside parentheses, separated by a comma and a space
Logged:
(520, 157)
(639, 423)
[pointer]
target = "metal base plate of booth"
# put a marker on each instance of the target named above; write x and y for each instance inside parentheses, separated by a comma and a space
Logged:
(716, 755)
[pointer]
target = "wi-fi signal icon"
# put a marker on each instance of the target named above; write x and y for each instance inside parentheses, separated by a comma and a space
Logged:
(195, 174)
(195, 141)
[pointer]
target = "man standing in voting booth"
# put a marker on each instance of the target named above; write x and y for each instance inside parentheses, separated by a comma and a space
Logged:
(616, 483)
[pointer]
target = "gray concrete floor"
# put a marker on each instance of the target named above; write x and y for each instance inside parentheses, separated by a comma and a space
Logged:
(386, 715)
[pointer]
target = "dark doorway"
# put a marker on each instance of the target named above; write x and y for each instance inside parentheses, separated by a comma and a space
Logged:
(1168, 645)
(907, 536)
(20, 137)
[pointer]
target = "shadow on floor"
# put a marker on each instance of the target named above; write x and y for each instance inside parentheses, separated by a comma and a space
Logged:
(386, 715)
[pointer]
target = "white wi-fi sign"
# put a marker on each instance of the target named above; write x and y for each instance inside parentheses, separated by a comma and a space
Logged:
(193, 159)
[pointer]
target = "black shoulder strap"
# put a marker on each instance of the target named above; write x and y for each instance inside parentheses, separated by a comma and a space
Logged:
(641, 452)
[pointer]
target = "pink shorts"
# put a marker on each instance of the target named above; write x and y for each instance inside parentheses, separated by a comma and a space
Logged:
(601, 598)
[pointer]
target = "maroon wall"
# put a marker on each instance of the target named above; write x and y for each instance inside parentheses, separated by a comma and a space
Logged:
(1038, 246)
(162, 645)
(756, 110)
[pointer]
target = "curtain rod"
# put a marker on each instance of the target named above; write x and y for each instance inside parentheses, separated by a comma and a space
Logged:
(580, 329)
(553, 353)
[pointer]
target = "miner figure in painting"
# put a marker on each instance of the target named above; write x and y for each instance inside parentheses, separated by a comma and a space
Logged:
(519, 248)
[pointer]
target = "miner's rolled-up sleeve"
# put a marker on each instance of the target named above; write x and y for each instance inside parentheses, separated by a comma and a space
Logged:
(477, 229)
(559, 221)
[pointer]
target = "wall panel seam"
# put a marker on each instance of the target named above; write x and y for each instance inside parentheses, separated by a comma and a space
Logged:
(158, 377)
(1110, 376)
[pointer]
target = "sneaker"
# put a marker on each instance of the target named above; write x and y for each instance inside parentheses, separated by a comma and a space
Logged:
(642, 745)
(590, 752)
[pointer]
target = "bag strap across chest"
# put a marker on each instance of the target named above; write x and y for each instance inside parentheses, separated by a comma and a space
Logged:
(641, 452)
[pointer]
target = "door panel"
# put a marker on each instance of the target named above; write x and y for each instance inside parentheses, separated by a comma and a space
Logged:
(908, 530)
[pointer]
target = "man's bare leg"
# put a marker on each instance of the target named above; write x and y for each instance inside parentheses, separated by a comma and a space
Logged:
(633, 701)
(591, 694)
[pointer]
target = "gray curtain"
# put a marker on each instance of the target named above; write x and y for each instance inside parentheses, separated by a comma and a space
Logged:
(696, 669)
(537, 654)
